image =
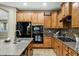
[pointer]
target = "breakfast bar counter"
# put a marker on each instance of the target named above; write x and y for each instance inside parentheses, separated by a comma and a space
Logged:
(11, 49)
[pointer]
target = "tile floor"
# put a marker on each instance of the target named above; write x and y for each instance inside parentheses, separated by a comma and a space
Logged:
(43, 52)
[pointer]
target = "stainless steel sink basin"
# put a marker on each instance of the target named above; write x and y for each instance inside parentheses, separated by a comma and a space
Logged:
(66, 39)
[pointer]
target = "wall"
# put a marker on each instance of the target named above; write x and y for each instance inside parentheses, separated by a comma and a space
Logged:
(3, 15)
(69, 32)
(11, 20)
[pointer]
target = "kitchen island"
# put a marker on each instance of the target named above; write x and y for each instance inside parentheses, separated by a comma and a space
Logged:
(11, 49)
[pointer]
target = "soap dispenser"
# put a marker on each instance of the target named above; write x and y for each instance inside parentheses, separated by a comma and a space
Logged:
(77, 41)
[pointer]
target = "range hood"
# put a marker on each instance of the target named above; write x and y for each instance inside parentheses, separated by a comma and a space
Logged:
(66, 19)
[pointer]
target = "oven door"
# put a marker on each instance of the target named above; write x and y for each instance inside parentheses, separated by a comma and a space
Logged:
(38, 38)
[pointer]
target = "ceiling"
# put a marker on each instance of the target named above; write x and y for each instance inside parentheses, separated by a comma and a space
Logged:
(33, 5)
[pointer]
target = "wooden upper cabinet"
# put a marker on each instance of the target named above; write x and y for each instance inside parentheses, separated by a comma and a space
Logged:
(19, 17)
(23, 17)
(41, 18)
(34, 18)
(68, 8)
(63, 10)
(60, 24)
(47, 21)
(27, 16)
(54, 19)
(75, 13)
(38, 18)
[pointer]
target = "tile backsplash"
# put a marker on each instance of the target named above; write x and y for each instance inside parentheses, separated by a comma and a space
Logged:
(67, 32)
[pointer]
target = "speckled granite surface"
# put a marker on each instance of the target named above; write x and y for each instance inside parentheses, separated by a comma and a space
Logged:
(72, 45)
(14, 49)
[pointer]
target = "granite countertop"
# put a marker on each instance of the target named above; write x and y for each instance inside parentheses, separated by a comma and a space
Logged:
(72, 45)
(14, 49)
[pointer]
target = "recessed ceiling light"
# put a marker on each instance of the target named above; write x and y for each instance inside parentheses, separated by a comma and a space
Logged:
(24, 4)
(44, 4)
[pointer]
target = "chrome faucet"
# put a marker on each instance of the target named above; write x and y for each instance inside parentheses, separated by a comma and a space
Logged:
(15, 40)
(57, 33)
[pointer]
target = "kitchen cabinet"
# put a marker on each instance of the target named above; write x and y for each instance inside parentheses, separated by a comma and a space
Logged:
(63, 10)
(47, 42)
(47, 21)
(23, 17)
(68, 8)
(54, 19)
(75, 13)
(27, 16)
(40, 18)
(60, 24)
(72, 52)
(29, 50)
(38, 45)
(19, 17)
(58, 48)
(34, 18)
(65, 50)
(53, 42)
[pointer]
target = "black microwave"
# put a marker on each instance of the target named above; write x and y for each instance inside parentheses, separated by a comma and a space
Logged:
(37, 28)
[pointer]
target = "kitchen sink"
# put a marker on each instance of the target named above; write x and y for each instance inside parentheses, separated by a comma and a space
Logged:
(66, 39)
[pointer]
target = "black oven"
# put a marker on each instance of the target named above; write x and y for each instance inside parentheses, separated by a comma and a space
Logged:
(37, 28)
(37, 33)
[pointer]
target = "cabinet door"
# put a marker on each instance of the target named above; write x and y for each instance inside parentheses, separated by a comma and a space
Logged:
(41, 18)
(53, 42)
(75, 13)
(35, 18)
(67, 7)
(65, 52)
(47, 21)
(72, 52)
(41, 45)
(54, 19)
(60, 24)
(27, 16)
(47, 42)
(57, 48)
(19, 17)
(63, 10)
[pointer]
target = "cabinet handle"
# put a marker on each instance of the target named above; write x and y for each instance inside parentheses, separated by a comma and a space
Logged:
(67, 54)
(58, 46)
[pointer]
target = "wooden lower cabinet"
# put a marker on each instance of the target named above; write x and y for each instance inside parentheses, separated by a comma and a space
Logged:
(29, 51)
(46, 43)
(63, 50)
(58, 48)
(72, 52)
(53, 42)
(38, 45)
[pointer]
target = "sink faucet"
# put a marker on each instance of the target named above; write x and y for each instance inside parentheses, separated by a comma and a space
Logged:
(56, 34)
(15, 40)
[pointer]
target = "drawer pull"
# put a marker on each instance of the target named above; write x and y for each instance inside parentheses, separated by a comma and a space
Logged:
(67, 54)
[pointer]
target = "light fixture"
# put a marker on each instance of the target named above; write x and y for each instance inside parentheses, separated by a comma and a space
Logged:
(44, 4)
(24, 4)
